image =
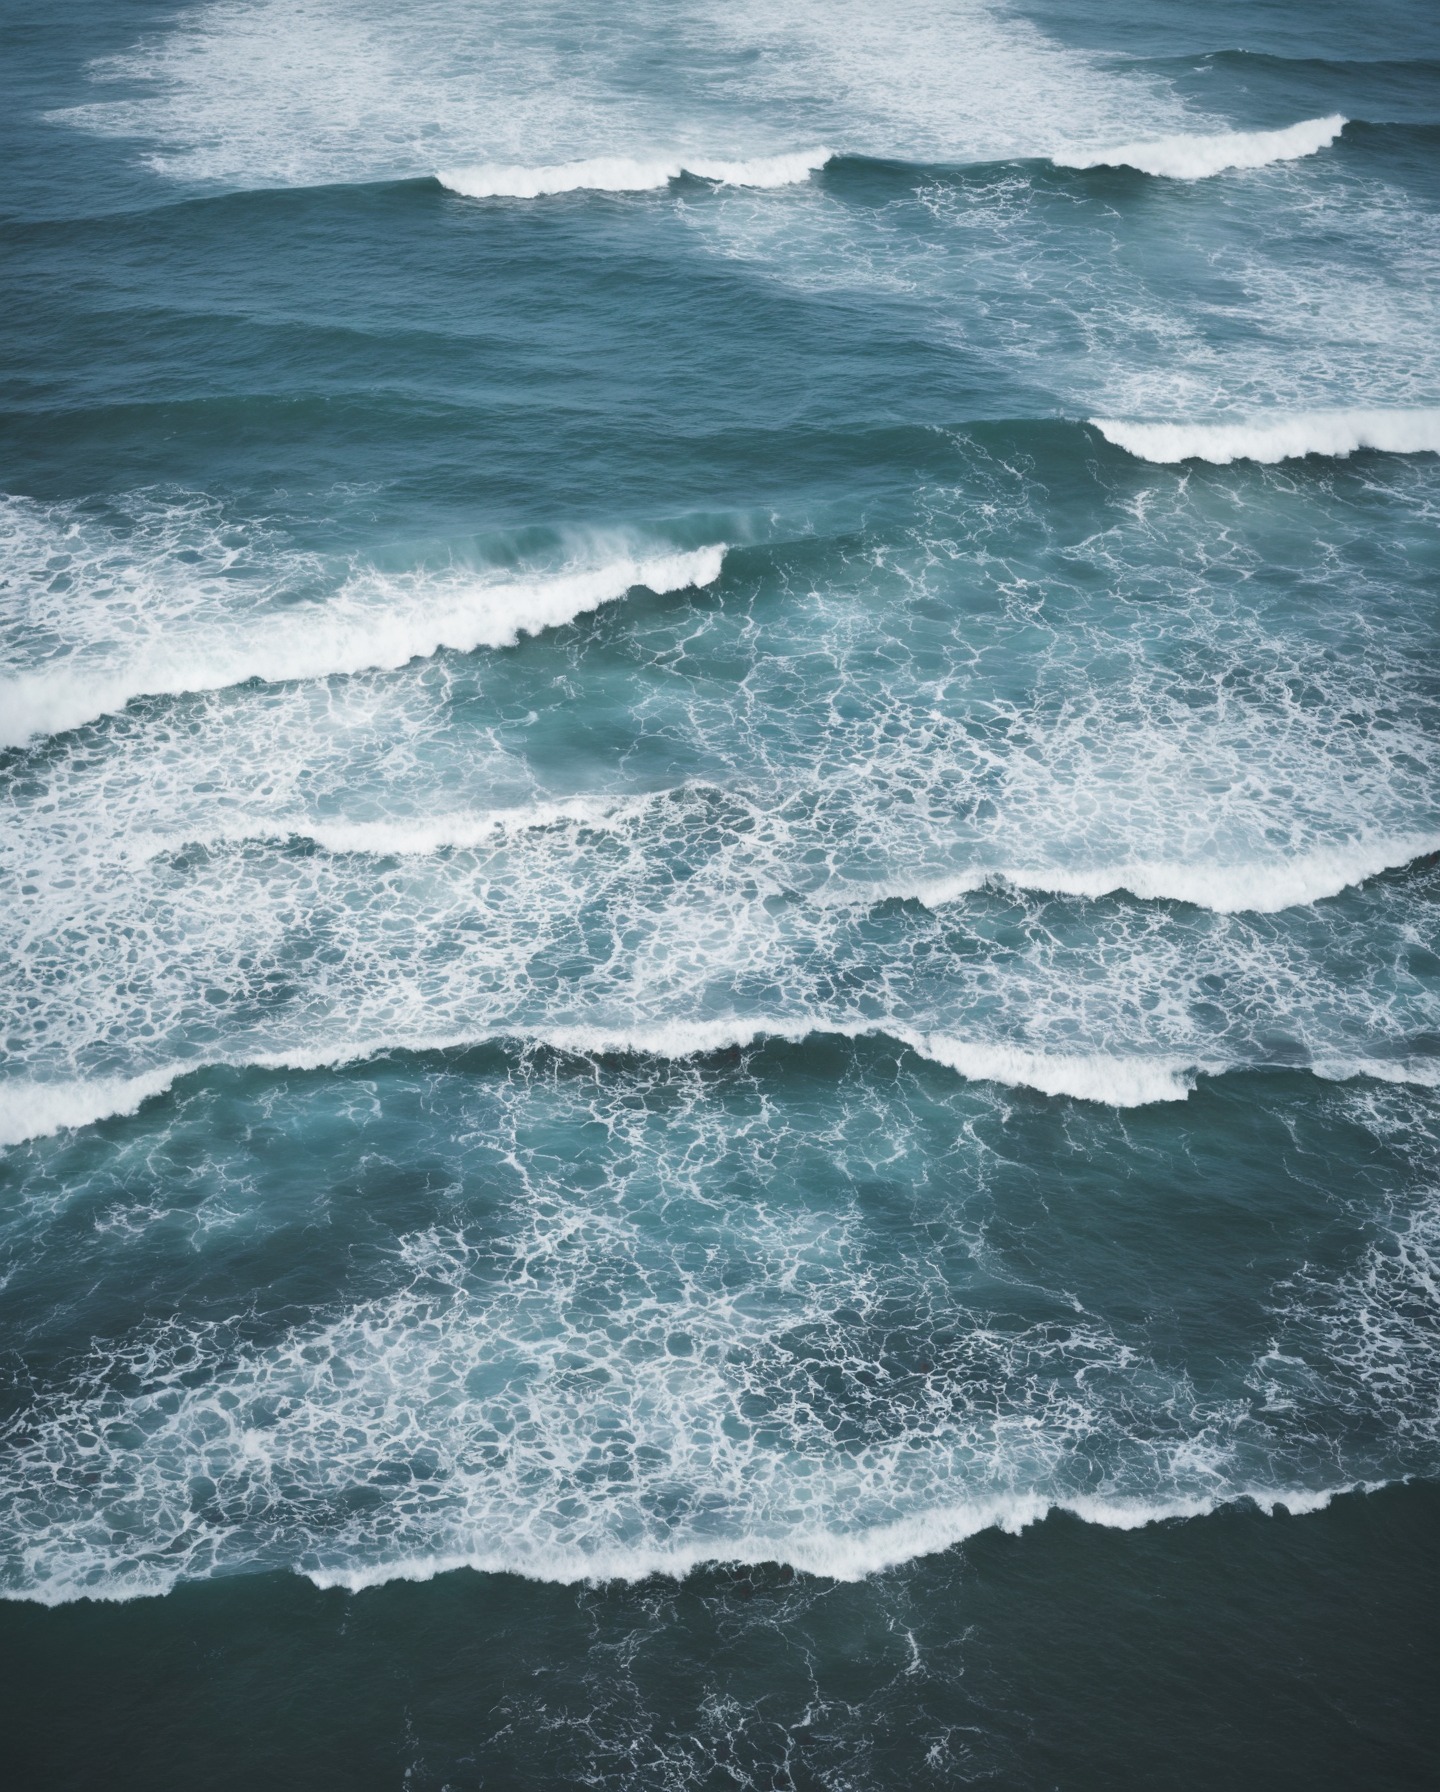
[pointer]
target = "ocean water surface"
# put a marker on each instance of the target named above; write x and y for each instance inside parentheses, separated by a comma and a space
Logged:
(720, 757)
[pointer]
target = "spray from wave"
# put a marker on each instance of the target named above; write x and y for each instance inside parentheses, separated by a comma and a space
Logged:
(1332, 433)
(629, 174)
(1198, 157)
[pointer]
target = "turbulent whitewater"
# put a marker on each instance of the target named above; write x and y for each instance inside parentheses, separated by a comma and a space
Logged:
(1334, 433)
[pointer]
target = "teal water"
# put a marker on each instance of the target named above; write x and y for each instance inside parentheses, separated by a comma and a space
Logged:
(721, 854)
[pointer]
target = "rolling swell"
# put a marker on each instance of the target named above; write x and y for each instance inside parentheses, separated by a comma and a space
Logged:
(455, 1370)
(836, 1555)
(457, 1373)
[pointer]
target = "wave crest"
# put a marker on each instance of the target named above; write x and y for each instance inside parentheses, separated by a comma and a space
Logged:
(404, 837)
(31, 1110)
(1332, 433)
(1198, 157)
(826, 1554)
(363, 629)
(1253, 888)
(628, 174)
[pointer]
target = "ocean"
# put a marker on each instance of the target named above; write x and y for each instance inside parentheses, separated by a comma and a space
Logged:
(720, 947)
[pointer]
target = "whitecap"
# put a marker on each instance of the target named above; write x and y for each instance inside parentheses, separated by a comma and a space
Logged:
(1195, 157)
(629, 174)
(404, 837)
(1332, 433)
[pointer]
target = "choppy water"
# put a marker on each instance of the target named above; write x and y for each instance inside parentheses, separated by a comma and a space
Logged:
(720, 740)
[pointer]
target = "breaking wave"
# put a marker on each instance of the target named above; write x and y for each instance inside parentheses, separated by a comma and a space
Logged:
(1255, 888)
(628, 174)
(839, 1555)
(1332, 433)
(375, 623)
(35, 1109)
(1197, 157)
(828, 1554)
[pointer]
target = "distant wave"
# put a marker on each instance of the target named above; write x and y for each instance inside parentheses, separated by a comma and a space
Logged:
(1336, 433)
(1196, 157)
(341, 637)
(628, 174)
(1258, 887)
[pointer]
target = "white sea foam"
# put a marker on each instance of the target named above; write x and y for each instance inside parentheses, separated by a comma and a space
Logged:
(963, 82)
(607, 1372)
(1257, 887)
(1372, 1329)
(1196, 157)
(1332, 433)
(485, 1396)
(376, 622)
(629, 174)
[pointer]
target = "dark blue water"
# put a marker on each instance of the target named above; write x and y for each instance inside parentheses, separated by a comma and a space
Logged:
(720, 739)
